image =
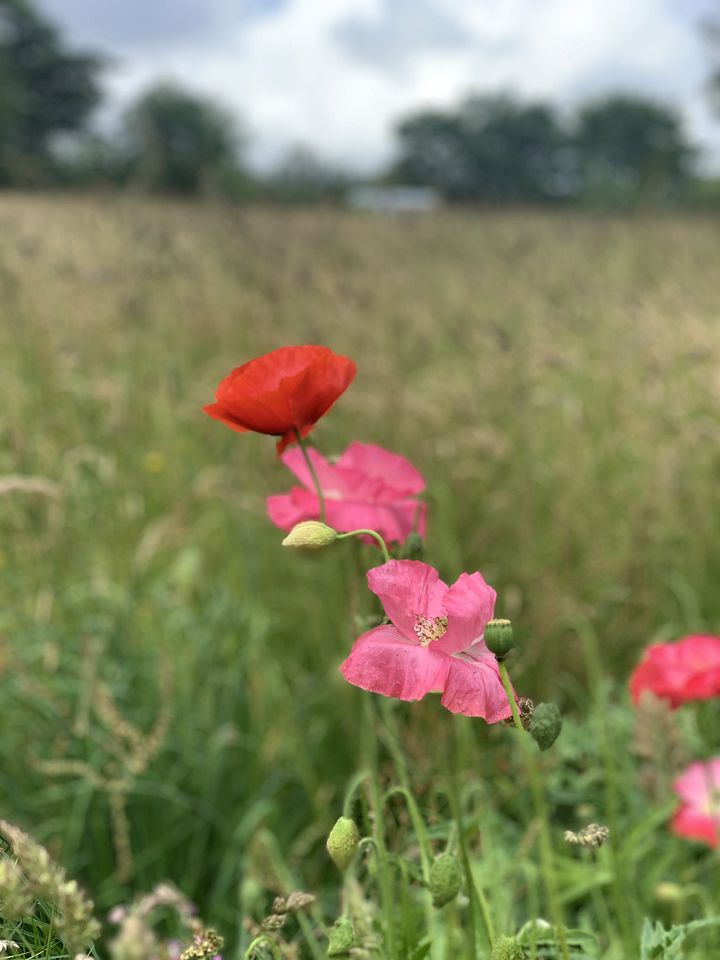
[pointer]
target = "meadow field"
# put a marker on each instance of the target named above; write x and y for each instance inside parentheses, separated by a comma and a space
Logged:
(171, 702)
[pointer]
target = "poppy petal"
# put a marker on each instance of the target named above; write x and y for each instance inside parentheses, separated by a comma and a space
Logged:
(383, 661)
(474, 688)
(408, 589)
(469, 605)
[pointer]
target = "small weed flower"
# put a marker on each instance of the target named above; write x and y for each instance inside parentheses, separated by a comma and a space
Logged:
(434, 642)
(679, 672)
(367, 488)
(282, 393)
(698, 817)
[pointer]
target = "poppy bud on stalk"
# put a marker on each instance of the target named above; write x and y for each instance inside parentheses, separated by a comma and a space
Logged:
(341, 939)
(499, 637)
(505, 948)
(342, 843)
(445, 879)
(310, 535)
(545, 725)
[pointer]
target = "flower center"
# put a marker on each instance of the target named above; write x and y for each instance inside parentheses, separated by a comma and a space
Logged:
(428, 630)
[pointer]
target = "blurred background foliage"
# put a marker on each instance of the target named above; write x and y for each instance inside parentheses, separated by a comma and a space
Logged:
(172, 706)
(620, 150)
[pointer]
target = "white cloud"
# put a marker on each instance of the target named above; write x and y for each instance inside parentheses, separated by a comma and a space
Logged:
(337, 73)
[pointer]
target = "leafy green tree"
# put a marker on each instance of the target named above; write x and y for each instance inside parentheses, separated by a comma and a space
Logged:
(492, 148)
(179, 142)
(629, 146)
(44, 91)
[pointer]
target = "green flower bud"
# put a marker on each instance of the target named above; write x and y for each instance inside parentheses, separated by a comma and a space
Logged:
(310, 535)
(545, 725)
(414, 547)
(499, 637)
(445, 879)
(505, 948)
(341, 939)
(668, 892)
(343, 842)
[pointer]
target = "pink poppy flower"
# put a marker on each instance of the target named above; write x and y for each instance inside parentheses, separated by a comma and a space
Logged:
(367, 488)
(434, 643)
(679, 672)
(698, 817)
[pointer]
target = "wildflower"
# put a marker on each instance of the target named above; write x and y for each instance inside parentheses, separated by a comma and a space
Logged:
(367, 488)
(698, 817)
(282, 393)
(206, 945)
(679, 672)
(433, 644)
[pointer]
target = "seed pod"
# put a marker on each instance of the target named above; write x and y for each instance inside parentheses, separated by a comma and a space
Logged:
(499, 637)
(545, 725)
(341, 939)
(445, 879)
(310, 535)
(343, 842)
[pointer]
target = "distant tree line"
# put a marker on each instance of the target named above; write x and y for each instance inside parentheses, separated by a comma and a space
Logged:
(489, 149)
(495, 148)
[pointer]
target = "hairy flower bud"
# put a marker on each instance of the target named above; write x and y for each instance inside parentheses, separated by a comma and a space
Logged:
(499, 637)
(414, 547)
(505, 948)
(310, 535)
(445, 879)
(343, 842)
(341, 939)
(545, 725)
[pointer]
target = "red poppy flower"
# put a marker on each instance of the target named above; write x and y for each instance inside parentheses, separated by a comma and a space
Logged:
(679, 672)
(282, 393)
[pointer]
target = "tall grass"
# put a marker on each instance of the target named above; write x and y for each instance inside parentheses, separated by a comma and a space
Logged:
(556, 378)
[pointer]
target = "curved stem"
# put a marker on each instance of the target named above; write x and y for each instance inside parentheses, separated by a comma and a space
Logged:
(547, 866)
(259, 941)
(370, 533)
(313, 474)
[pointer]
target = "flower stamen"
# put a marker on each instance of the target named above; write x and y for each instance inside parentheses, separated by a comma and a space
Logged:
(428, 630)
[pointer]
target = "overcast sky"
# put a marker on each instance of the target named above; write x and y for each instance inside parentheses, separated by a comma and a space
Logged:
(337, 73)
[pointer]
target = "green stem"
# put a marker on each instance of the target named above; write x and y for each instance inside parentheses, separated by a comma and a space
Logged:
(370, 533)
(392, 740)
(475, 893)
(384, 878)
(547, 866)
(258, 941)
(313, 474)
